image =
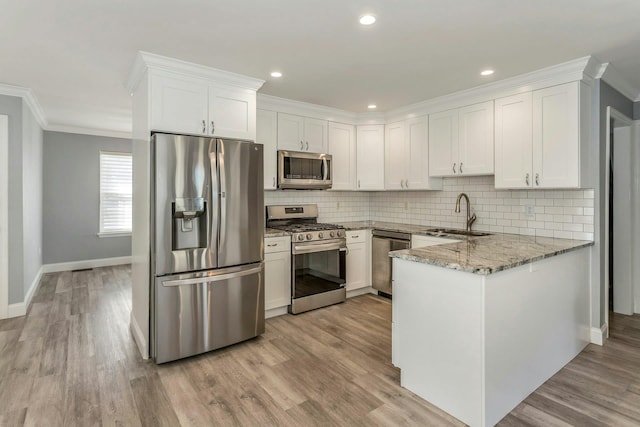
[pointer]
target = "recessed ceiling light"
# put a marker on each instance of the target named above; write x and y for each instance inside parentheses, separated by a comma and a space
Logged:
(486, 72)
(372, 106)
(367, 19)
(276, 74)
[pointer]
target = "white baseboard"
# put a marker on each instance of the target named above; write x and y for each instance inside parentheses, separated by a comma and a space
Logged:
(274, 312)
(599, 335)
(89, 263)
(138, 337)
(20, 308)
(361, 291)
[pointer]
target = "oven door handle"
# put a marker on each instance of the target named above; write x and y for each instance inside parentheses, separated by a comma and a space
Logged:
(318, 247)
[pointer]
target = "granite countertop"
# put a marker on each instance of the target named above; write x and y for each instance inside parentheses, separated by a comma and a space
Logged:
(272, 232)
(490, 254)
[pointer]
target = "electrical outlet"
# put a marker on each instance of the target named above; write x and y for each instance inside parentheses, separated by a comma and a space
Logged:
(530, 211)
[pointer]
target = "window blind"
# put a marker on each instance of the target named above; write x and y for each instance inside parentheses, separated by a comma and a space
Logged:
(116, 189)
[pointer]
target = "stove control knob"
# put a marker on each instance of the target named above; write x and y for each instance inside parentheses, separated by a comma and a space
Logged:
(340, 233)
(300, 237)
(332, 234)
(309, 236)
(320, 235)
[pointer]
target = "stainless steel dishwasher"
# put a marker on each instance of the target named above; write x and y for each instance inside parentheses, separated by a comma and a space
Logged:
(382, 243)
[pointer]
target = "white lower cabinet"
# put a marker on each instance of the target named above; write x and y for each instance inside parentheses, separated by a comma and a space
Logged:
(277, 257)
(358, 259)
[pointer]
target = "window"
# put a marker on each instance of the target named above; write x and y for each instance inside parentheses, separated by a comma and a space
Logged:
(116, 191)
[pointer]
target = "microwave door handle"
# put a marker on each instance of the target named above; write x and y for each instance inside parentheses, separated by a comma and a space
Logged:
(325, 172)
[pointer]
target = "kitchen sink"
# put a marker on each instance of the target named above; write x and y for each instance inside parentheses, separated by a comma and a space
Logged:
(458, 232)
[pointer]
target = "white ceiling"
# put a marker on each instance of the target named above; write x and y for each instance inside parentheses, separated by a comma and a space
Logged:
(76, 54)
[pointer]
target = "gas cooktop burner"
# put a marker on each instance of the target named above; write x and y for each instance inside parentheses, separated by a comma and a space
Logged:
(300, 221)
(299, 228)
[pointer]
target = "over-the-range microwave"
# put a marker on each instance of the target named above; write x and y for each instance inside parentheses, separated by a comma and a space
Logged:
(303, 171)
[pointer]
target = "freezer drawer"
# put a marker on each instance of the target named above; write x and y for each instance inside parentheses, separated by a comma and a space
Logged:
(196, 313)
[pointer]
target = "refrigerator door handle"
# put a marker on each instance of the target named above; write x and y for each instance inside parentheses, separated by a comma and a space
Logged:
(209, 279)
(215, 205)
(222, 190)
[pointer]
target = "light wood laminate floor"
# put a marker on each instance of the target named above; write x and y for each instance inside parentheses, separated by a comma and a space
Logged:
(72, 361)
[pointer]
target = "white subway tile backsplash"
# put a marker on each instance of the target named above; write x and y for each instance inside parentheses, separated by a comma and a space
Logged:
(564, 214)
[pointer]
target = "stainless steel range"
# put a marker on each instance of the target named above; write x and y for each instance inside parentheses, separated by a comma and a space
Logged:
(318, 251)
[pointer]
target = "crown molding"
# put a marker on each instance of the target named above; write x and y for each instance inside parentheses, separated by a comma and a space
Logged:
(150, 61)
(612, 77)
(88, 131)
(290, 106)
(29, 98)
(565, 72)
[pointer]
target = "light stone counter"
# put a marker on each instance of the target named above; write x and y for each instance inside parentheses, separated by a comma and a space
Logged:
(272, 232)
(490, 254)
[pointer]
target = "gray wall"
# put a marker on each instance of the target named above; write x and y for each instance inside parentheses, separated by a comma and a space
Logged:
(608, 96)
(31, 197)
(12, 107)
(71, 203)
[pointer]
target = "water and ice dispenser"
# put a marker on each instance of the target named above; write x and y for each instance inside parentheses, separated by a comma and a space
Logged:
(190, 219)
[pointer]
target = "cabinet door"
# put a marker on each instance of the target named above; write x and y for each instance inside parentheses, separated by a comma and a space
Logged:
(267, 135)
(475, 143)
(417, 156)
(370, 157)
(290, 132)
(443, 143)
(179, 106)
(358, 259)
(395, 156)
(315, 135)
(342, 147)
(277, 273)
(513, 142)
(556, 150)
(232, 113)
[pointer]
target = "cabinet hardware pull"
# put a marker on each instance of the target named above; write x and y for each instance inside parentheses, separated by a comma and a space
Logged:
(402, 183)
(213, 127)
(274, 182)
(301, 145)
(272, 244)
(537, 179)
(527, 179)
(358, 183)
(460, 167)
(454, 168)
(204, 126)
(355, 237)
(406, 183)
(307, 145)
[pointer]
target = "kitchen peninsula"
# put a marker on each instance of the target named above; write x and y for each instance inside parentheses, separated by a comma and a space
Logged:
(481, 323)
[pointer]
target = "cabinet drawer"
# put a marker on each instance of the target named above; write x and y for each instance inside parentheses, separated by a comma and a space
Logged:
(277, 244)
(357, 236)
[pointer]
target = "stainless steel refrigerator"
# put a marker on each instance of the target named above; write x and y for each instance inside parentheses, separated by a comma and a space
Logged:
(207, 227)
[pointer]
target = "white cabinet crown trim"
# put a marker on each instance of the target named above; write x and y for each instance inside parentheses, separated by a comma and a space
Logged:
(150, 61)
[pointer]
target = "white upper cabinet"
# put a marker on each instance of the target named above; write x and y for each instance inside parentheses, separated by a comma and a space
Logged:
(195, 106)
(407, 156)
(297, 133)
(342, 147)
(461, 141)
(513, 142)
(443, 143)
(370, 157)
(475, 145)
(395, 154)
(556, 136)
(179, 105)
(232, 113)
(538, 137)
(267, 135)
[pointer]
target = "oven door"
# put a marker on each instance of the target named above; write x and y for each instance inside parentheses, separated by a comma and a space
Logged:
(318, 275)
(302, 171)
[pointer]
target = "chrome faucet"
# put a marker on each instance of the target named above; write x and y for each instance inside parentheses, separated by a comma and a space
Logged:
(470, 218)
